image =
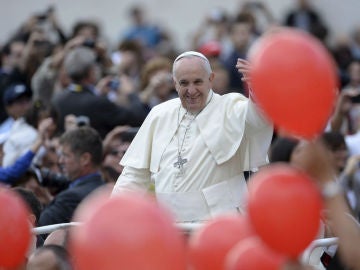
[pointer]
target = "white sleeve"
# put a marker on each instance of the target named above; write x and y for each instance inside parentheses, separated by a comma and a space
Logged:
(132, 179)
(255, 117)
(257, 137)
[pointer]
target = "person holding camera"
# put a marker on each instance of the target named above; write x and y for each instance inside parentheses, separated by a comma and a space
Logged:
(80, 97)
(11, 173)
(80, 160)
(314, 158)
(50, 77)
(115, 145)
(346, 117)
(157, 85)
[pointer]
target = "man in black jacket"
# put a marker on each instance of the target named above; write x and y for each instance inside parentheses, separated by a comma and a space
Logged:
(80, 160)
(81, 97)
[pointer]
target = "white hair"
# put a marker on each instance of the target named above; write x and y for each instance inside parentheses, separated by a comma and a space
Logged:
(191, 54)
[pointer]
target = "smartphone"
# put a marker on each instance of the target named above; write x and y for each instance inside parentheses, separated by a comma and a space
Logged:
(114, 84)
(42, 43)
(41, 17)
(355, 99)
(82, 121)
(90, 43)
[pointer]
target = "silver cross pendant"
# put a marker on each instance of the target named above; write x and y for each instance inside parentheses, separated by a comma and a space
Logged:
(180, 165)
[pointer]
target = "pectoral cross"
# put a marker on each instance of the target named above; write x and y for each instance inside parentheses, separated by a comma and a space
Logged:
(180, 164)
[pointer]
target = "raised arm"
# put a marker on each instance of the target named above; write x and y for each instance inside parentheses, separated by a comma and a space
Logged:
(342, 109)
(315, 160)
(255, 116)
(22, 164)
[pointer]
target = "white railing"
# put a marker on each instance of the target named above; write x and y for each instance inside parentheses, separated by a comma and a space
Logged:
(323, 242)
(50, 228)
(186, 227)
(189, 227)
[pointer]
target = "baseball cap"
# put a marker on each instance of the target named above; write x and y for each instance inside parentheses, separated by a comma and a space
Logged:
(16, 91)
(210, 48)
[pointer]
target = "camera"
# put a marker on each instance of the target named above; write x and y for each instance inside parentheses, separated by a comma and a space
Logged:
(114, 84)
(41, 43)
(90, 43)
(82, 121)
(53, 179)
(44, 16)
(355, 99)
(41, 17)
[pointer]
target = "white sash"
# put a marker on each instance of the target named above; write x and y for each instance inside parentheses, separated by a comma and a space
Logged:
(224, 197)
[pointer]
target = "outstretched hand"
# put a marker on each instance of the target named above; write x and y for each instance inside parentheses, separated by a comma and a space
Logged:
(44, 130)
(45, 127)
(243, 66)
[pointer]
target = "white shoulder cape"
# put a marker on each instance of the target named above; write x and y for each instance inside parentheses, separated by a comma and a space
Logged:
(227, 124)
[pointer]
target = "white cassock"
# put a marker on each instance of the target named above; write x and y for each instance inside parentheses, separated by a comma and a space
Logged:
(229, 136)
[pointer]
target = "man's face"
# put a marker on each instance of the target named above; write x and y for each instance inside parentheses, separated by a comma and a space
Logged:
(241, 35)
(354, 72)
(69, 163)
(193, 83)
(116, 153)
(19, 107)
(16, 51)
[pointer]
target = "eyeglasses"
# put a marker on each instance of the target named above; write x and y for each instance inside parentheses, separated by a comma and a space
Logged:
(115, 152)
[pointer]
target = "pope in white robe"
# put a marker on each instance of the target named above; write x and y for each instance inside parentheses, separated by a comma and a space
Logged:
(193, 150)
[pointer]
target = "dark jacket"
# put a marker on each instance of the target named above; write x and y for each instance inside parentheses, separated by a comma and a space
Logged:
(104, 115)
(62, 208)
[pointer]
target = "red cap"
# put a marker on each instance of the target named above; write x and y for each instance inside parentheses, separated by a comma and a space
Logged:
(210, 48)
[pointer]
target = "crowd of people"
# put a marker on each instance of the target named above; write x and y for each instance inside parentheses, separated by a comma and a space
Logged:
(72, 106)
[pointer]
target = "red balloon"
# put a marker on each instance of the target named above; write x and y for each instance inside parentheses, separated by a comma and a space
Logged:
(127, 232)
(253, 254)
(294, 81)
(209, 244)
(15, 234)
(284, 207)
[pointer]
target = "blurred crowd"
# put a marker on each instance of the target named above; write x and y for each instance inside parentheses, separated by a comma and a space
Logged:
(66, 94)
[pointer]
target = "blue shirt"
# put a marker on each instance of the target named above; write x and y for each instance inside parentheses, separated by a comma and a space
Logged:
(11, 173)
(149, 35)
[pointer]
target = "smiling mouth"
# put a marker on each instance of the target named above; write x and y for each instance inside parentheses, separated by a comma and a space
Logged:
(192, 99)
